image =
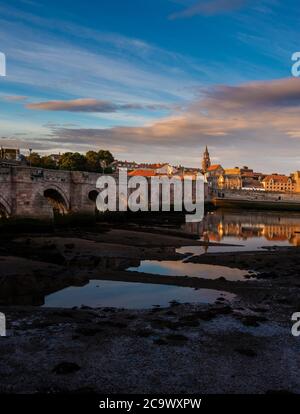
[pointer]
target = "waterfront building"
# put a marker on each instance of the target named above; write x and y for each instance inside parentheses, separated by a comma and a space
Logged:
(246, 179)
(213, 174)
(231, 179)
(296, 178)
(279, 183)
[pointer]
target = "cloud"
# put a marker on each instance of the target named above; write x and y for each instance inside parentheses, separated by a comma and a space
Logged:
(278, 93)
(79, 61)
(209, 8)
(14, 98)
(90, 105)
(257, 122)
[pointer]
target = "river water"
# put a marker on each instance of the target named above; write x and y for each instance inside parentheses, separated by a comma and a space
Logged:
(246, 230)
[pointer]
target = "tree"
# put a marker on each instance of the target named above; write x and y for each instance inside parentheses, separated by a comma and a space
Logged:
(98, 161)
(72, 161)
(92, 161)
(106, 156)
(48, 162)
(34, 159)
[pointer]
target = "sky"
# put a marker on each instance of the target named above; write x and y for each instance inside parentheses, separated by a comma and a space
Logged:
(153, 80)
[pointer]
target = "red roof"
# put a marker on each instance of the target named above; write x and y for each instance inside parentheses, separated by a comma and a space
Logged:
(214, 167)
(142, 173)
(277, 178)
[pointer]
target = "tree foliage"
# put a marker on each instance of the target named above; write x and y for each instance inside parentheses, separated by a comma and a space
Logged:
(74, 161)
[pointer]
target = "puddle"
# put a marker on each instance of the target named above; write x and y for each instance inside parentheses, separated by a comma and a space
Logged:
(105, 293)
(179, 268)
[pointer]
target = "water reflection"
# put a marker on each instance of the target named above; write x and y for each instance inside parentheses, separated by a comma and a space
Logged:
(253, 229)
(32, 289)
(180, 268)
(105, 293)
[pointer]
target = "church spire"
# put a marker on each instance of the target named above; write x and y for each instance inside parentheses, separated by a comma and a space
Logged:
(205, 160)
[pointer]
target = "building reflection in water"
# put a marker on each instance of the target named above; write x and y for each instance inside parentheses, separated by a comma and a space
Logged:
(243, 225)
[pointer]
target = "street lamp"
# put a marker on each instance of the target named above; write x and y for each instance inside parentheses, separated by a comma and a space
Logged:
(103, 165)
(30, 151)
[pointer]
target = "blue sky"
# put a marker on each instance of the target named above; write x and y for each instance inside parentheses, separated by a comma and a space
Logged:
(153, 80)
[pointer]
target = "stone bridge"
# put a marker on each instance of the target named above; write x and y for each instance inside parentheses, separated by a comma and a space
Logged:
(39, 193)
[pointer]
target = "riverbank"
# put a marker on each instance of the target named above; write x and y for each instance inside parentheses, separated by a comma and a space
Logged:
(241, 345)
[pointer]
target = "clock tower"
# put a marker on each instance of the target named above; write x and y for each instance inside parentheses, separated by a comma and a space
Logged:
(205, 160)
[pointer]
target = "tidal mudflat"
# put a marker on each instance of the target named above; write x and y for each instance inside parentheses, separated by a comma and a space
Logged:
(238, 341)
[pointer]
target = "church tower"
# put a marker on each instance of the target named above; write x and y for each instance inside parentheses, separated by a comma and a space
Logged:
(205, 160)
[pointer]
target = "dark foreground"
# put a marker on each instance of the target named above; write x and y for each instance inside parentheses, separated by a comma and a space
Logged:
(242, 346)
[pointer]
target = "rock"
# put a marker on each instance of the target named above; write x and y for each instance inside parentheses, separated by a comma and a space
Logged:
(246, 351)
(189, 320)
(206, 315)
(170, 313)
(274, 392)
(144, 333)
(66, 368)
(174, 303)
(112, 324)
(177, 338)
(224, 310)
(86, 331)
(163, 323)
(69, 246)
(253, 320)
(160, 341)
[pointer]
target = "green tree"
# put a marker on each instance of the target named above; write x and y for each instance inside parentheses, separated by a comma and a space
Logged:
(106, 156)
(92, 161)
(72, 161)
(34, 159)
(48, 162)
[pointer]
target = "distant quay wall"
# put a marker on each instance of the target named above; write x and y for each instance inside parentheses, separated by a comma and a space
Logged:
(256, 199)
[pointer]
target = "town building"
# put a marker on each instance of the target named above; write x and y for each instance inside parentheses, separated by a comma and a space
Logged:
(296, 178)
(9, 154)
(279, 183)
(129, 165)
(231, 179)
(142, 173)
(246, 179)
(55, 158)
(212, 175)
(148, 170)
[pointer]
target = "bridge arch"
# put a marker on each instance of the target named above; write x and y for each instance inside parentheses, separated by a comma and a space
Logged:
(92, 195)
(57, 199)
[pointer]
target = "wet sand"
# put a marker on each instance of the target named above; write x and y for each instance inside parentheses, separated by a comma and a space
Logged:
(243, 346)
